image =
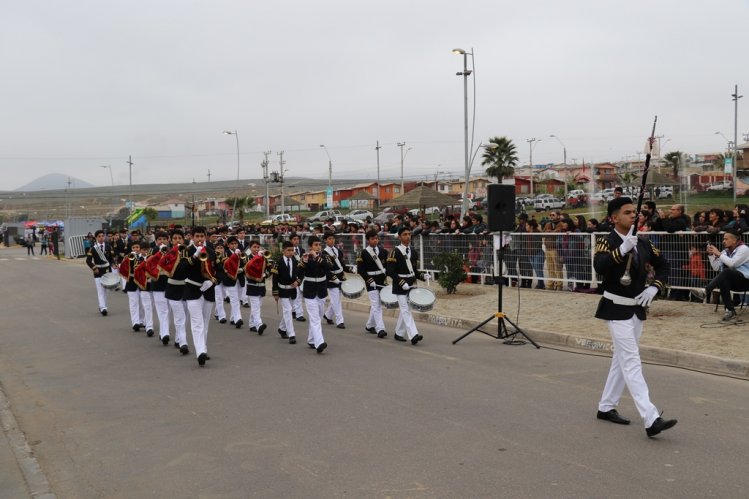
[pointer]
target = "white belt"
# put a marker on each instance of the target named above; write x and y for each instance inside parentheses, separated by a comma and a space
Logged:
(198, 284)
(259, 284)
(376, 273)
(315, 279)
(102, 265)
(406, 275)
(620, 300)
(285, 286)
(175, 282)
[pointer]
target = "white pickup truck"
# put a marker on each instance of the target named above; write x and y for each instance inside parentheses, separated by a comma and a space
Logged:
(548, 204)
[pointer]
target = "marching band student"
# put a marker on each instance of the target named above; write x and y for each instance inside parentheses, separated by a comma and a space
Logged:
(233, 279)
(243, 247)
(402, 265)
(198, 283)
(219, 292)
(255, 273)
(370, 266)
(298, 312)
(314, 271)
(285, 284)
(100, 258)
(158, 285)
(144, 285)
(335, 256)
(127, 272)
(174, 265)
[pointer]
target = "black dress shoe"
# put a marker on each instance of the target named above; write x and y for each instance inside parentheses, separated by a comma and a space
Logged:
(136, 327)
(261, 329)
(398, 337)
(301, 318)
(282, 333)
(382, 334)
(310, 345)
(322, 347)
(149, 333)
(176, 345)
(370, 330)
(612, 416)
(239, 324)
(341, 326)
(223, 321)
(103, 312)
(201, 359)
(232, 322)
(253, 329)
(292, 340)
(246, 305)
(207, 357)
(329, 321)
(143, 326)
(659, 425)
(293, 315)
(165, 340)
(416, 339)
(184, 350)
(215, 317)
(227, 300)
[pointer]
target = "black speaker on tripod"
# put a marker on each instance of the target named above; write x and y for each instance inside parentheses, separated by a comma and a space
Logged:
(500, 207)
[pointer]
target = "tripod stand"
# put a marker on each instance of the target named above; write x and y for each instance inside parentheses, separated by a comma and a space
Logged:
(502, 332)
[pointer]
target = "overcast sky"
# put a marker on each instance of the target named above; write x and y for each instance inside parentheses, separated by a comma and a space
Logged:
(89, 82)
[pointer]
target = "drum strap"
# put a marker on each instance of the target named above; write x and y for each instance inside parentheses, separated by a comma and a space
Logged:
(377, 261)
(404, 250)
(102, 256)
(332, 252)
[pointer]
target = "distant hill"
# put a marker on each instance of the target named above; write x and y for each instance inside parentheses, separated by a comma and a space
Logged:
(54, 181)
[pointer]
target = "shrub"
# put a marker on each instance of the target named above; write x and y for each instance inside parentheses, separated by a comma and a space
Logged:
(451, 273)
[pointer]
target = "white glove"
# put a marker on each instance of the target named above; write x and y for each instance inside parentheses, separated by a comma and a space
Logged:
(630, 241)
(205, 286)
(373, 285)
(645, 298)
(406, 287)
(198, 249)
(162, 247)
(237, 251)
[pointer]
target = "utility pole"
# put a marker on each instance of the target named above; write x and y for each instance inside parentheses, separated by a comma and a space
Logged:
(67, 189)
(402, 145)
(264, 164)
(130, 201)
(530, 146)
(281, 162)
(377, 148)
(736, 98)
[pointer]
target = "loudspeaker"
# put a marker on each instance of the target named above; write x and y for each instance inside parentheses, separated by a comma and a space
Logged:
(500, 207)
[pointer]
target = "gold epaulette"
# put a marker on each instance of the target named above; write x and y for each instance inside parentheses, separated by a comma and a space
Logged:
(359, 259)
(656, 251)
(602, 246)
(274, 270)
(391, 259)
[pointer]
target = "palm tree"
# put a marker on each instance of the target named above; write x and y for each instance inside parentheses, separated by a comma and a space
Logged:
(500, 158)
(241, 204)
(627, 178)
(150, 213)
(673, 160)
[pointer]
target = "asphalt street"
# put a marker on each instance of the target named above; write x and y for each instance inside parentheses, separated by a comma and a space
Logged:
(112, 413)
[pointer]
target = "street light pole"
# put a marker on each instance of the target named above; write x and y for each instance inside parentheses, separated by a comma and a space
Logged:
(281, 162)
(531, 146)
(266, 202)
(111, 179)
(130, 191)
(735, 96)
(377, 148)
(564, 149)
(465, 74)
(403, 156)
(236, 136)
(329, 202)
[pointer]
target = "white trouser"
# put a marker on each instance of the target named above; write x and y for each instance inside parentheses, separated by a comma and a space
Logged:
(255, 304)
(220, 312)
(207, 309)
(195, 308)
(314, 310)
(133, 299)
(233, 294)
(101, 294)
(243, 295)
(626, 370)
(375, 311)
(178, 313)
(296, 303)
(146, 299)
(405, 322)
(334, 307)
(287, 320)
(162, 312)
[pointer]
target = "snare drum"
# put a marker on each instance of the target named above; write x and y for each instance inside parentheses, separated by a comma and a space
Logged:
(387, 298)
(421, 299)
(110, 280)
(352, 288)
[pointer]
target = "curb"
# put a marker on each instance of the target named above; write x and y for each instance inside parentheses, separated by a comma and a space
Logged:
(703, 363)
(36, 481)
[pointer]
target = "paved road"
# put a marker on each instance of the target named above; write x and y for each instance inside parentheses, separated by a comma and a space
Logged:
(111, 413)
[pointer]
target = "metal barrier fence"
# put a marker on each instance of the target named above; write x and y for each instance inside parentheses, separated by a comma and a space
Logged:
(74, 246)
(558, 261)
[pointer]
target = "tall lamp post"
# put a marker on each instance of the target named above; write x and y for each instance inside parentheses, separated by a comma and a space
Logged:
(531, 146)
(377, 194)
(111, 179)
(236, 136)
(465, 74)
(735, 97)
(564, 149)
(329, 194)
(403, 156)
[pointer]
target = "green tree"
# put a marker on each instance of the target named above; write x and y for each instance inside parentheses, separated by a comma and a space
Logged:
(673, 160)
(241, 204)
(500, 158)
(627, 179)
(150, 213)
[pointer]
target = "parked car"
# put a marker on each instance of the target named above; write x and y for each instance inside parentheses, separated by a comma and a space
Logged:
(385, 216)
(321, 216)
(575, 193)
(427, 211)
(718, 186)
(548, 204)
(361, 215)
(283, 218)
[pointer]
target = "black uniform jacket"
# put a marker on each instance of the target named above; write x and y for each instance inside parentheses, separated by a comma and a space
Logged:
(283, 276)
(610, 265)
(94, 259)
(195, 277)
(315, 274)
(397, 269)
(369, 270)
(334, 269)
(174, 291)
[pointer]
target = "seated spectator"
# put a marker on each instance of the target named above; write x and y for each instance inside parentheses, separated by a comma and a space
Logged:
(676, 220)
(733, 264)
(739, 222)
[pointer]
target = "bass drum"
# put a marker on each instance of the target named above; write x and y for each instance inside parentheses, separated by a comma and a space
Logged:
(387, 298)
(110, 280)
(352, 288)
(421, 299)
